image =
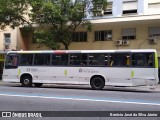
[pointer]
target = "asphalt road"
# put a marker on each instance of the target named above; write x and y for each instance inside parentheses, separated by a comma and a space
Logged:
(67, 98)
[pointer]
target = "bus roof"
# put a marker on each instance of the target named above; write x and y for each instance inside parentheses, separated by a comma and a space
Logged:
(84, 51)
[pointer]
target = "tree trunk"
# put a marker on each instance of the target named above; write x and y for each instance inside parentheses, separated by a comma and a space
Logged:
(66, 46)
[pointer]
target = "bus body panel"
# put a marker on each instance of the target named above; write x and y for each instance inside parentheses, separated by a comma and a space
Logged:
(115, 76)
(10, 75)
(144, 76)
(118, 76)
(82, 75)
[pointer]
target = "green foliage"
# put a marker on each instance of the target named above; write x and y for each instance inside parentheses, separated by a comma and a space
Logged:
(26, 30)
(45, 38)
(12, 13)
(99, 6)
(62, 16)
(57, 19)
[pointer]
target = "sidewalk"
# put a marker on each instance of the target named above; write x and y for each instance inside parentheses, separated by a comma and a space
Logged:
(137, 88)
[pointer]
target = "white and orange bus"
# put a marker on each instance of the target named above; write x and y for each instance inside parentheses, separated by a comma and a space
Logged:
(83, 67)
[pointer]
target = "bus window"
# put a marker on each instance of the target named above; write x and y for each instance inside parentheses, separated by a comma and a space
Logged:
(98, 59)
(11, 61)
(64, 59)
(142, 59)
(26, 59)
(59, 59)
(42, 59)
(56, 59)
(150, 59)
(119, 59)
(78, 59)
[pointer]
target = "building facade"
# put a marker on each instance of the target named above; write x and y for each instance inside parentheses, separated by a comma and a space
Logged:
(124, 24)
(8, 39)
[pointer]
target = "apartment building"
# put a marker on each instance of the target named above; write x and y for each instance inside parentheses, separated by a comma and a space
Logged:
(8, 39)
(124, 24)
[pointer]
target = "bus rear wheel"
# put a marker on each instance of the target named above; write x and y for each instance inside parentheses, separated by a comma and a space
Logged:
(26, 81)
(38, 84)
(97, 83)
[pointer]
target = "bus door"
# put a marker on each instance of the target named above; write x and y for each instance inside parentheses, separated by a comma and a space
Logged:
(119, 69)
(143, 70)
(64, 74)
(11, 64)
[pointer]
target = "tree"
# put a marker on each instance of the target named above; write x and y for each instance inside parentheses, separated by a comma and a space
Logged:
(45, 37)
(57, 20)
(61, 18)
(13, 13)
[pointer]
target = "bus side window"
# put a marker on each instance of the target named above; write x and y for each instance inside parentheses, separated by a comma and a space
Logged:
(142, 59)
(111, 60)
(127, 60)
(56, 59)
(78, 59)
(150, 59)
(111, 63)
(64, 59)
(42, 59)
(119, 59)
(26, 59)
(97, 59)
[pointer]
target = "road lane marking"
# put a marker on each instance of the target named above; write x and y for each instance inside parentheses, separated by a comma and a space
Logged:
(85, 99)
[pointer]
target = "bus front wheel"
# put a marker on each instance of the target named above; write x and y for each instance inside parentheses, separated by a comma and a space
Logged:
(26, 81)
(97, 83)
(38, 84)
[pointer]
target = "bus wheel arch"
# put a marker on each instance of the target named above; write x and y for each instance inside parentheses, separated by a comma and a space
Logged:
(97, 82)
(26, 80)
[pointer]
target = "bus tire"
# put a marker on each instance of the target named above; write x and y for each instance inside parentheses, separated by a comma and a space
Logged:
(26, 81)
(97, 83)
(38, 84)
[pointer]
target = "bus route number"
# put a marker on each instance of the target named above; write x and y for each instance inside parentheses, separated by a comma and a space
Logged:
(32, 70)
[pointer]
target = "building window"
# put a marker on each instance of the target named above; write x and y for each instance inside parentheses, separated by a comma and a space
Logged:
(153, 8)
(98, 9)
(79, 36)
(130, 7)
(108, 9)
(103, 35)
(154, 32)
(7, 38)
(129, 34)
